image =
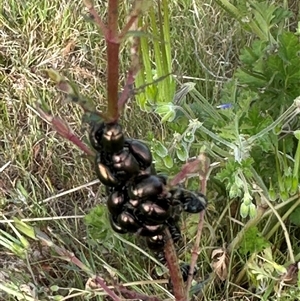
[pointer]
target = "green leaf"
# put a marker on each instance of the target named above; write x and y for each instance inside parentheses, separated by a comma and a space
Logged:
(251, 56)
(295, 216)
(97, 223)
(168, 161)
(167, 112)
(189, 137)
(253, 242)
(289, 47)
(54, 288)
(160, 149)
(71, 90)
(25, 228)
(182, 151)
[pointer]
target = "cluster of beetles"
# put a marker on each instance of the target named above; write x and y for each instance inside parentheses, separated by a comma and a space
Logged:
(139, 200)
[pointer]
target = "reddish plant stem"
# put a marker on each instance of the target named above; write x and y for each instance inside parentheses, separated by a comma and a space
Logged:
(63, 129)
(97, 20)
(174, 269)
(188, 168)
(70, 257)
(134, 68)
(113, 47)
(127, 26)
(128, 294)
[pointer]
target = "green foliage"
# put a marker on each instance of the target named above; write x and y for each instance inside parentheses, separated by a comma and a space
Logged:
(231, 174)
(248, 133)
(272, 71)
(253, 242)
(256, 158)
(295, 217)
(98, 225)
(258, 17)
(156, 64)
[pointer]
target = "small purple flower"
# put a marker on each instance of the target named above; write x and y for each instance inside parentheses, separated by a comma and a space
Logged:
(225, 106)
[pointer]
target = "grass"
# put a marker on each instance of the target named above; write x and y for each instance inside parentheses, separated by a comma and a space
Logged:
(47, 181)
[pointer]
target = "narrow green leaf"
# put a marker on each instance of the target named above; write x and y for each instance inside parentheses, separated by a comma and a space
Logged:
(25, 228)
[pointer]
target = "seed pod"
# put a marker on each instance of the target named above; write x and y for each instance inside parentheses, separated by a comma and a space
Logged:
(244, 210)
(115, 225)
(104, 174)
(128, 222)
(115, 202)
(112, 138)
(152, 213)
(96, 134)
(148, 230)
(141, 152)
(145, 187)
(124, 161)
(156, 243)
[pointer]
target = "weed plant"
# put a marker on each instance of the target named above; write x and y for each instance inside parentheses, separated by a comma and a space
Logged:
(232, 99)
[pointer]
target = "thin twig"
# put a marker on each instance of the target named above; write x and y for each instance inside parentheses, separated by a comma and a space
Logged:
(128, 25)
(134, 69)
(129, 294)
(96, 18)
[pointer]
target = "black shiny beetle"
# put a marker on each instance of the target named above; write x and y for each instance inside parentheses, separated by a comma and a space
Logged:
(185, 271)
(116, 201)
(191, 202)
(95, 136)
(140, 151)
(156, 243)
(175, 232)
(128, 221)
(146, 187)
(152, 214)
(115, 225)
(113, 138)
(124, 161)
(104, 173)
(107, 137)
(151, 230)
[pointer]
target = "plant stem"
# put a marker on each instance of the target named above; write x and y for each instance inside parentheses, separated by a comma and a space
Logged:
(173, 265)
(96, 18)
(113, 46)
(134, 68)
